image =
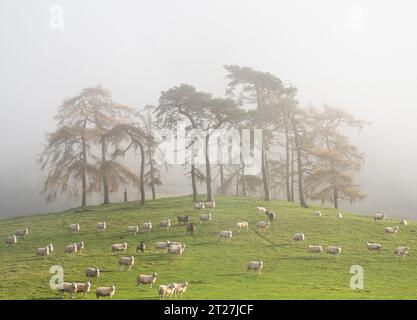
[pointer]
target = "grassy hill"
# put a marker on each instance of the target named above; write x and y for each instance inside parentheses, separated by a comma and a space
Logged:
(213, 269)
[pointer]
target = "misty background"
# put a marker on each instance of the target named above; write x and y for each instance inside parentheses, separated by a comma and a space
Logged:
(358, 55)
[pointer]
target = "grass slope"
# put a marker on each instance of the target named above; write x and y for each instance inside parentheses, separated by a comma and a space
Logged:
(213, 269)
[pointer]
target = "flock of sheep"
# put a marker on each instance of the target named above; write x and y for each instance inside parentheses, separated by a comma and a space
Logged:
(177, 248)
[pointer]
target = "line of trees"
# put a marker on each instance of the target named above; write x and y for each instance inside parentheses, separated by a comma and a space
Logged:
(305, 154)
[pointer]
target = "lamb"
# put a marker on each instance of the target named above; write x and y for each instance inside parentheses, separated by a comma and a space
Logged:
(74, 227)
(404, 222)
(255, 265)
(373, 246)
(126, 261)
(242, 225)
(22, 232)
(144, 279)
(165, 224)
(80, 246)
(270, 215)
(379, 216)
(261, 209)
(84, 287)
(140, 247)
(205, 217)
(401, 251)
(166, 291)
(182, 219)
(71, 248)
(190, 228)
(334, 250)
(119, 246)
(92, 272)
(198, 205)
(262, 225)
(132, 230)
(105, 292)
(315, 249)
(101, 226)
(209, 204)
(226, 235)
(180, 288)
(176, 249)
(147, 226)
(69, 287)
(12, 240)
(339, 215)
(391, 230)
(161, 245)
(317, 213)
(298, 237)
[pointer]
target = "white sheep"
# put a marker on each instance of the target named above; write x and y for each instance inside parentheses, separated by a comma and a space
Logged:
(70, 287)
(80, 246)
(226, 235)
(315, 249)
(401, 251)
(12, 240)
(209, 204)
(145, 279)
(92, 272)
(298, 237)
(101, 226)
(317, 213)
(22, 232)
(337, 250)
(379, 216)
(373, 246)
(205, 217)
(45, 251)
(198, 205)
(126, 261)
(391, 230)
(105, 292)
(242, 225)
(176, 249)
(71, 248)
(50, 247)
(119, 246)
(262, 225)
(74, 227)
(261, 209)
(404, 222)
(180, 288)
(84, 287)
(165, 224)
(147, 226)
(166, 291)
(255, 265)
(161, 245)
(132, 230)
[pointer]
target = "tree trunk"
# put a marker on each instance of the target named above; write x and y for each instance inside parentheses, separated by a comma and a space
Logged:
(335, 197)
(152, 180)
(142, 174)
(105, 181)
(299, 168)
(222, 188)
(292, 175)
(193, 183)
(265, 176)
(243, 181)
(237, 184)
(208, 171)
(287, 163)
(84, 174)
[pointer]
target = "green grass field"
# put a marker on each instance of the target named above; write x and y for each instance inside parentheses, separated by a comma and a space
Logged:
(213, 269)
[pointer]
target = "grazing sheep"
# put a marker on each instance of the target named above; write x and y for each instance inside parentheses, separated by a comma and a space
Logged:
(105, 292)
(401, 251)
(74, 227)
(84, 287)
(373, 246)
(126, 261)
(270, 215)
(315, 249)
(101, 226)
(147, 226)
(180, 288)
(404, 222)
(298, 237)
(255, 265)
(46, 251)
(261, 209)
(339, 215)
(161, 245)
(50, 247)
(205, 217)
(140, 247)
(209, 204)
(226, 235)
(69, 287)
(144, 279)
(242, 225)
(334, 250)
(132, 230)
(165, 224)
(262, 225)
(71, 248)
(182, 219)
(190, 228)
(317, 213)
(379, 216)
(92, 272)
(391, 230)
(119, 246)
(22, 232)
(198, 205)
(12, 240)
(176, 249)
(80, 246)
(166, 291)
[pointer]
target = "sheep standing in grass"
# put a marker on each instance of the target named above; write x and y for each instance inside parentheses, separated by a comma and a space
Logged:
(334, 250)
(147, 226)
(180, 288)
(101, 226)
(270, 215)
(379, 216)
(226, 235)
(317, 213)
(404, 222)
(69, 287)
(50, 247)
(243, 225)
(182, 219)
(12, 240)
(391, 230)
(71, 248)
(176, 249)
(105, 292)
(198, 205)
(45, 251)
(166, 291)
(145, 279)
(74, 227)
(298, 237)
(204, 217)
(262, 225)
(22, 232)
(190, 228)
(140, 247)
(84, 287)
(132, 230)
(92, 272)
(315, 249)
(209, 204)
(126, 261)
(261, 209)
(255, 265)
(161, 245)
(401, 251)
(165, 224)
(80, 246)
(119, 247)
(373, 246)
